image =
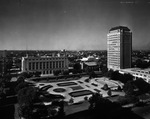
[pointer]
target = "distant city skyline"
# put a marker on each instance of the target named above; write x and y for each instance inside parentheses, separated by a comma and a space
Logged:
(71, 24)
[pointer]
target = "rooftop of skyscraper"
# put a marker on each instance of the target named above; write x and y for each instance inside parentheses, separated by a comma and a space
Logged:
(120, 27)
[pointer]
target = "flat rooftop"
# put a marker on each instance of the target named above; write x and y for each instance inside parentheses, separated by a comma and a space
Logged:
(120, 27)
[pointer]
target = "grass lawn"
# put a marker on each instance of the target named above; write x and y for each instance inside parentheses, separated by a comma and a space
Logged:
(59, 90)
(44, 88)
(80, 93)
(76, 88)
(66, 84)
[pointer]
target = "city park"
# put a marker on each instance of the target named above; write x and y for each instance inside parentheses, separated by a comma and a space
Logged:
(58, 96)
(79, 89)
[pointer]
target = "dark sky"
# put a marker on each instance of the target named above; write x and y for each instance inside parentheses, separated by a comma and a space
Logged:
(71, 24)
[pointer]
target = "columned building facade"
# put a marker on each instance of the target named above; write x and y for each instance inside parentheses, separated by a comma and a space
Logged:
(43, 64)
(119, 48)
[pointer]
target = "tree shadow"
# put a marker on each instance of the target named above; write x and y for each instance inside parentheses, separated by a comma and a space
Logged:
(7, 112)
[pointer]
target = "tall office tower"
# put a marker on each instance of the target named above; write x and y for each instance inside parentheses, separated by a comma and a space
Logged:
(119, 48)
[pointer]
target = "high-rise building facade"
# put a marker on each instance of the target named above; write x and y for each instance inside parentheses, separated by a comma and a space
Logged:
(119, 48)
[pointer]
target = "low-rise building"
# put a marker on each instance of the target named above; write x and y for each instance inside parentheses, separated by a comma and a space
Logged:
(138, 73)
(92, 66)
(44, 64)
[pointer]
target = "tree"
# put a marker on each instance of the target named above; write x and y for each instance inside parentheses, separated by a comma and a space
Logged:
(71, 101)
(27, 95)
(128, 88)
(127, 77)
(26, 74)
(142, 85)
(37, 74)
(26, 99)
(60, 113)
(105, 87)
(77, 67)
(92, 74)
(21, 86)
(74, 71)
(109, 73)
(2, 88)
(7, 77)
(104, 70)
(25, 112)
(115, 75)
(142, 64)
(20, 79)
(66, 72)
(94, 99)
(123, 100)
(119, 88)
(109, 92)
(85, 98)
(99, 104)
(56, 72)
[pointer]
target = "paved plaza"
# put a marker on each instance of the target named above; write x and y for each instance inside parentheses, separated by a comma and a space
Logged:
(79, 89)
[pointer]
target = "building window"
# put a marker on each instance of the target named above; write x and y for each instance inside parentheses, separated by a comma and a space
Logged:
(56, 64)
(62, 64)
(47, 65)
(50, 64)
(53, 64)
(33, 65)
(43, 65)
(36, 65)
(40, 65)
(59, 64)
(29, 65)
